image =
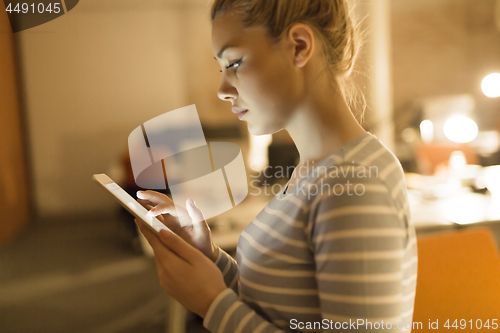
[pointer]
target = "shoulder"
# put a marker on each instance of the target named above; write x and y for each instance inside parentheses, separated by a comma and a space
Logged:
(352, 188)
(354, 207)
(363, 170)
(372, 162)
(359, 195)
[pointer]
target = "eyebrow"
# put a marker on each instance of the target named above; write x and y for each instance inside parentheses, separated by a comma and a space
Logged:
(219, 55)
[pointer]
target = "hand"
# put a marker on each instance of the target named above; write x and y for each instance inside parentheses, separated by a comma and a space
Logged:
(197, 234)
(185, 273)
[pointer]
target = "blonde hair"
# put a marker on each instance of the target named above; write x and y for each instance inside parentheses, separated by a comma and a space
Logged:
(332, 21)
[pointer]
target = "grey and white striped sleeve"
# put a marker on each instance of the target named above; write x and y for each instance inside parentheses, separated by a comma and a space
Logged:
(229, 268)
(227, 313)
(358, 240)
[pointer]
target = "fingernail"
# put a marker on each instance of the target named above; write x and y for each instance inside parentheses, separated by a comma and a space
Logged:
(138, 193)
(150, 212)
(192, 203)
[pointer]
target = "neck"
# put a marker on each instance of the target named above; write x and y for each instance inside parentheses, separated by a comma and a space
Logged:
(322, 125)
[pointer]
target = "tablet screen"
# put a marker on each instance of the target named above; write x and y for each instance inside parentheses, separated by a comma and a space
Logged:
(129, 202)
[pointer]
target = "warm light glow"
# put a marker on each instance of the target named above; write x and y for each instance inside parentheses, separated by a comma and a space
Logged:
(492, 179)
(457, 160)
(461, 129)
(464, 208)
(491, 85)
(427, 131)
(409, 135)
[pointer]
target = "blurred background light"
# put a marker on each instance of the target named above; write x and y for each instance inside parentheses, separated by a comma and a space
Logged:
(427, 131)
(491, 85)
(409, 135)
(492, 179)
(461, 129)
(457, 160)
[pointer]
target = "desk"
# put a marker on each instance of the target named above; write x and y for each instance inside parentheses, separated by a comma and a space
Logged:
(462, 208)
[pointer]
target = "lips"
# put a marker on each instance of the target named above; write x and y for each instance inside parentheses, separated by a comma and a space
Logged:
(239, 111)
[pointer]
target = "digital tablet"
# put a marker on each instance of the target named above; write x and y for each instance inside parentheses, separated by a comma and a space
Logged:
(130, 204)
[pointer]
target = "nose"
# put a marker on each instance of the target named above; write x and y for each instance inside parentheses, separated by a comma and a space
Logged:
(227, 92)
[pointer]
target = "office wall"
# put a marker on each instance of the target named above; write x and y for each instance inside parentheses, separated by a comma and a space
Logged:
(96, 73)
(444, 47)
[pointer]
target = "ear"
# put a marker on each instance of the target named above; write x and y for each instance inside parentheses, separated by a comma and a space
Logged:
(302, 38)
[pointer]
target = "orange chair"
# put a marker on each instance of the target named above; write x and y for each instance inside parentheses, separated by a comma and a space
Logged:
(430, 155)
(458, 278)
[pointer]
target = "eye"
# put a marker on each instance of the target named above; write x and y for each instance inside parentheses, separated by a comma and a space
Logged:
(235, 65)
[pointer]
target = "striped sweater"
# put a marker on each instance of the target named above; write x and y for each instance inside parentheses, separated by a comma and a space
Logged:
(338, 251)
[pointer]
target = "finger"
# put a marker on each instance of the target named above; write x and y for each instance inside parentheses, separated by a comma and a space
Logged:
(194, 212)
(153, 196)
(161, 251)
(145, 202)
(148, 234)
(149, 207)
(179, 246)
(164, 208)
(170, 221)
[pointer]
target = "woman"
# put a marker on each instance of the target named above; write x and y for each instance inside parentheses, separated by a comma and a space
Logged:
(336, 248)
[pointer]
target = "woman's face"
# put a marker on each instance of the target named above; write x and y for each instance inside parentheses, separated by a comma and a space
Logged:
(256, 75)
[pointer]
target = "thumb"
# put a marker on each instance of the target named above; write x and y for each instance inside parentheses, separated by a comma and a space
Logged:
(178, 245)
(194, 212)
